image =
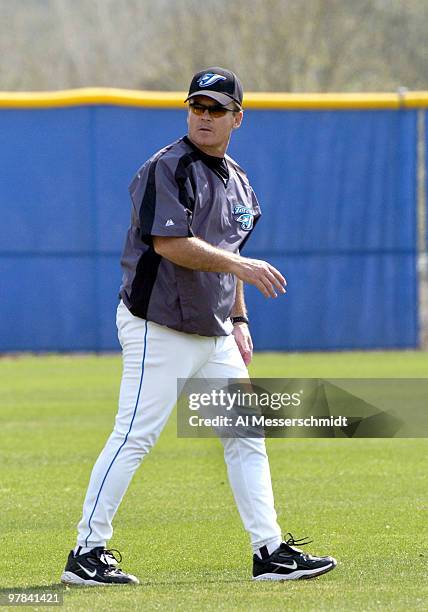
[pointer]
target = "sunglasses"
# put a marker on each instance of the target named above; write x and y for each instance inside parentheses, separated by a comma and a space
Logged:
(215, 111)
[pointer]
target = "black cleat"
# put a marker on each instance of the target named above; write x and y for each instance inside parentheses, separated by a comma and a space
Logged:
(290, 563)
(98, 567)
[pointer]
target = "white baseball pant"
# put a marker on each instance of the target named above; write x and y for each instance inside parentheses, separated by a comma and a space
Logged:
(155, 356)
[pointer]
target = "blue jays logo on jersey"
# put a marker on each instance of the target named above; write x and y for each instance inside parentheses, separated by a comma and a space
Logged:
(245, 216)
(209, 79)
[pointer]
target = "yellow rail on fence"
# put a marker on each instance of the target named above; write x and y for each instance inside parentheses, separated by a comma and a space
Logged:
(175, 99)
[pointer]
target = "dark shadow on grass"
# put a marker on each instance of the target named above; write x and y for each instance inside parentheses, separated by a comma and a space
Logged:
(152, 583)
(55, 586)
(59, 586)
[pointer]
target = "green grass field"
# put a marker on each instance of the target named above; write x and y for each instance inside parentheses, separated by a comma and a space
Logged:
(363, 500)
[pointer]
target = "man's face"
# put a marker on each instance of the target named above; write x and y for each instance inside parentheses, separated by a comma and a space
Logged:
(211, 134)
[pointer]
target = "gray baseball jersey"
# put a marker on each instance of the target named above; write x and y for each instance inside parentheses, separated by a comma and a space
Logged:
(181, 191)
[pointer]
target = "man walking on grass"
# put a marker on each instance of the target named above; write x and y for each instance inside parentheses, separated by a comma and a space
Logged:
(182, 314)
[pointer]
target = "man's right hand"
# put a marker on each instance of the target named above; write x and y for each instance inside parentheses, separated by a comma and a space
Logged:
(196, 254)
(261, 274)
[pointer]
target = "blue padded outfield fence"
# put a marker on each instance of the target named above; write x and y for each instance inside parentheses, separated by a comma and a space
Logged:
(336, 176)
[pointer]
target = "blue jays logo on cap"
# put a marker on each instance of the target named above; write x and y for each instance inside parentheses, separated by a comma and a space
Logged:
(210, 78)
(245, 216)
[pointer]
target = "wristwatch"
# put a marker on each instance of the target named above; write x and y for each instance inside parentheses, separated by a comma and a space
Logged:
(241, 319)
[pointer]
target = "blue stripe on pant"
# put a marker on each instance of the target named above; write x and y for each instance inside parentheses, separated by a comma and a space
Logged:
(124, 441)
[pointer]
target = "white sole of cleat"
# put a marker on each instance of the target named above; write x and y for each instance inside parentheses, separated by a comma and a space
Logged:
(299, 575)
(71, 579)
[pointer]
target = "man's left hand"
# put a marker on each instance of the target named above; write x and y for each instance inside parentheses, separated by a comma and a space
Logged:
(242, 337)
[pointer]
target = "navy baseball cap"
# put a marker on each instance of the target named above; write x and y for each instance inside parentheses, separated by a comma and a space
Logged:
(217, 83)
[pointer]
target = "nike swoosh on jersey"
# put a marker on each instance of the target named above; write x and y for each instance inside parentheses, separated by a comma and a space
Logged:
(294, 566)
(87, 571)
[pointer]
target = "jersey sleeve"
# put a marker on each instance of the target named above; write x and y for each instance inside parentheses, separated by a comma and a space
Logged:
(159, 202)
(256, 205)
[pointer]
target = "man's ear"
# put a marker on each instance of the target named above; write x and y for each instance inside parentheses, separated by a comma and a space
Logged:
(238, 120)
